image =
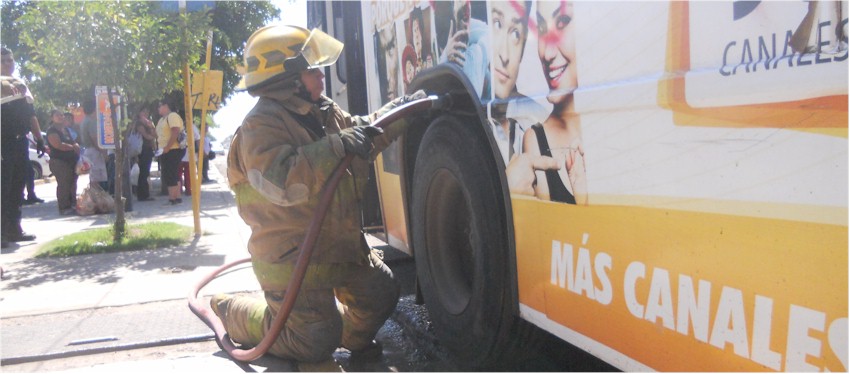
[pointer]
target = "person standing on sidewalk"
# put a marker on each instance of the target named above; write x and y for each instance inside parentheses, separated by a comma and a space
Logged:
(184, 173)
(279, 159)
(168, 130)
(64, 152)
(18, 118)
(31, 197)
(93, 152)
(145, 128)
(208, 156)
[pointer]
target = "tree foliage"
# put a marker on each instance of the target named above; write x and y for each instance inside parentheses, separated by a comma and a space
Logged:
(117, 44)
(71, 47)
(234, 22)
(66, 48)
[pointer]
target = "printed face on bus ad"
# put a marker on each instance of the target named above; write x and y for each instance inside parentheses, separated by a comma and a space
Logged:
(509, 28)
(409, 65)
(419, 36)
(416, 32)
(556, 47)
(387, 40)
(461, 12)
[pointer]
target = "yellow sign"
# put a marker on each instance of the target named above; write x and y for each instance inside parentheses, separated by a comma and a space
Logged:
(206, 90)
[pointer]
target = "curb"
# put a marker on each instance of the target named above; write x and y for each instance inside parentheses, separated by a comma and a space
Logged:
(49, 179)
(114, 348)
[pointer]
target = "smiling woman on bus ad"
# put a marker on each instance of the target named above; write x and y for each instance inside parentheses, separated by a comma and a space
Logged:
(559, 136)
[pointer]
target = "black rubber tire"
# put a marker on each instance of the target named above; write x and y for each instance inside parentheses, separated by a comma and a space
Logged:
(36, 170)
(460, 244)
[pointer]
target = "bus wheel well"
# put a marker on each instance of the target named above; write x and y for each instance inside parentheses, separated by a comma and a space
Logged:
(442, 80)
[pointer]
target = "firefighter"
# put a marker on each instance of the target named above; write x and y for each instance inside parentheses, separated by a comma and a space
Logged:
(282, 154)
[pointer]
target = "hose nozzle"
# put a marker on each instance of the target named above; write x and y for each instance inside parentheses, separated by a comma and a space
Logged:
(443, 102)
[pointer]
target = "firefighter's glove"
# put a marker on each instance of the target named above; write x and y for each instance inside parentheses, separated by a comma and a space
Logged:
(39, 147)
(358, 140)
(413, 97)
(399, 102)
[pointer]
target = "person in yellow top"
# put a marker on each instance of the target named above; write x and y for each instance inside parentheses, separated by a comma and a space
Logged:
(168, 130)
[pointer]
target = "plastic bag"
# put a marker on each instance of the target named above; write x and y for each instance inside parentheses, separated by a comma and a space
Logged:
(134, 144)
(83, 165)
(94, 200)
(134, 175)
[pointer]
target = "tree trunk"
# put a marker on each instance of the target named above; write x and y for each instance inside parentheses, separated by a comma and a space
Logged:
(120, 225)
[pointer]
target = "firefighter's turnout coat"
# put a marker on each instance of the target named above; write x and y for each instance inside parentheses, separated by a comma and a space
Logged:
(277, 166)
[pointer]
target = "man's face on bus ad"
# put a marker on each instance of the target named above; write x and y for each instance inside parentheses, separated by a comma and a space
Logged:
(509, 28)
(388, 44)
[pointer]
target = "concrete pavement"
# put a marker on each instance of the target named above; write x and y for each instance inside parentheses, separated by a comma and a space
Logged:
(55, 306)
(34, 286)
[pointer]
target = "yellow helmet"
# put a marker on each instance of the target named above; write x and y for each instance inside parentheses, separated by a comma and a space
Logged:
(277, 49)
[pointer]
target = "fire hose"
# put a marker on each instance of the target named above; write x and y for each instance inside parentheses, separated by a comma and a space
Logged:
(203, 311)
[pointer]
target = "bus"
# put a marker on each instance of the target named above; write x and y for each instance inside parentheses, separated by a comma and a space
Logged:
(661, 184)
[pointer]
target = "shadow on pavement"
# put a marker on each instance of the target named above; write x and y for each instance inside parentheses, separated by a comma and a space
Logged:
(108, 268)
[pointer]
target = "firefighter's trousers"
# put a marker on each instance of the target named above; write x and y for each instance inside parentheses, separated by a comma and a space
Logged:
(339, 305)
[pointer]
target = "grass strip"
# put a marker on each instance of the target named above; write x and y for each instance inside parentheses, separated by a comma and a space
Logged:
(151, 235)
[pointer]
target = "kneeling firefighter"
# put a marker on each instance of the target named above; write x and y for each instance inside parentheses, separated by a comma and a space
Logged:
(279, 159)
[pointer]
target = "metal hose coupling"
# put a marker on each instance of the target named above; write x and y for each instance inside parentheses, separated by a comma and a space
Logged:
(443, 102)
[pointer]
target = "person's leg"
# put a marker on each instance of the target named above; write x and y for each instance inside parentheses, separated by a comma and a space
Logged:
(97, 174)
(184, 176)
(6, 185)
(172, 164)
(163, 189)
(63, 184)
(126, 185)
(206, 169)
(18, 157)
(30, 179)
(143, 186)
(311, 333)
(367, 298)
(7, 172)
(72, 187)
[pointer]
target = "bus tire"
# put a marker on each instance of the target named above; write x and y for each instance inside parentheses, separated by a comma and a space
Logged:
(460, 244)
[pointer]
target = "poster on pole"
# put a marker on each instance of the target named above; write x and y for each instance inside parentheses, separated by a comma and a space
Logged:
(105, 132)
(206, 90)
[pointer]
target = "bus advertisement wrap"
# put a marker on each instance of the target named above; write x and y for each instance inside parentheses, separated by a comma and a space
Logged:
(696, 214)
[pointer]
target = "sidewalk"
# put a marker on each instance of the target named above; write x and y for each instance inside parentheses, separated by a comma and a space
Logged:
(50, 290)
(116, 303)
(35, 286)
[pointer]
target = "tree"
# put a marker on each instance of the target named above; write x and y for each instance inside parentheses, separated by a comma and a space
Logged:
(232, 21)
(66, 48)
(125, 45)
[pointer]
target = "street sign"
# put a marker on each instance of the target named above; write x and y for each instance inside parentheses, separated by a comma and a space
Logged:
(105, 133)
(191, 6)
(206, 90)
